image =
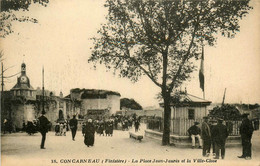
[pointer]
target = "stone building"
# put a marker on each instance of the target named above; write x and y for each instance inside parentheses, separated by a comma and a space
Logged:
(23, 103)
(23, 100)
(92, 103)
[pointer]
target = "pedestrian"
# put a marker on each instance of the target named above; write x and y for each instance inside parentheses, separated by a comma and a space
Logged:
(57, 129)
(116, 122)
(101, 128)
(64, 128)
(206, 137)
(83, 128)
(246, 132)
(73, 127)
(111, 127)
(44, 125)
(5, 125)
(61, 128)
(194, 132)
(212, 125)
(24, 126)
(89, 137)
(220, 134)
(137, 124)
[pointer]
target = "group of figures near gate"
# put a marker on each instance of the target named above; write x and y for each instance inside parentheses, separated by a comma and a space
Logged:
(214, 133)
(106, 127)
(61, 128)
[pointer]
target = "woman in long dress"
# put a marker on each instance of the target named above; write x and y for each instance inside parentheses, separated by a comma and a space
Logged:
(89, 133)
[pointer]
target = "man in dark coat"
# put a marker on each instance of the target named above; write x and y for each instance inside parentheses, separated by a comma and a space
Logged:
(246, 132)
(89, 133)
(194, 132)
(73, 126)
(137, 124)
(206, 137)
(213, 123)
(44, 125)
(111, 127)
(220, 134)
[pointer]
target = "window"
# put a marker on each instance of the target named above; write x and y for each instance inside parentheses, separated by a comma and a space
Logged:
(191, 114)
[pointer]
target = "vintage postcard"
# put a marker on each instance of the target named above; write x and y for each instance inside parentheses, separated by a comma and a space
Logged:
(130, 82)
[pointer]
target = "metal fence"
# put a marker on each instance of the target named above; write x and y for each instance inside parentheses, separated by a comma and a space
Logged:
(180, 126)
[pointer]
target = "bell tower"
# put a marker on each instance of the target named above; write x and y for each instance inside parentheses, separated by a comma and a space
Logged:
(23, 68)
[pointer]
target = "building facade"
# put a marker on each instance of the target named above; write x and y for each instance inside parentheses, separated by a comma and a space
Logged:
(92, 103)
(23, 103)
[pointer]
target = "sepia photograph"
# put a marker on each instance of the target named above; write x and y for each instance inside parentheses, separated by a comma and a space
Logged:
(130, 82)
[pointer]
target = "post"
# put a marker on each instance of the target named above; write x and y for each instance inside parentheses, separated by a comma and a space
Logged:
(224, 97)
(2, 90)
(43, 89)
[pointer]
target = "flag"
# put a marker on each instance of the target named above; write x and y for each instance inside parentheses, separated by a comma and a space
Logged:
(201, 72)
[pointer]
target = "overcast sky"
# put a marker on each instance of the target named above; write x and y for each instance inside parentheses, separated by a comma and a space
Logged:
(61, 43)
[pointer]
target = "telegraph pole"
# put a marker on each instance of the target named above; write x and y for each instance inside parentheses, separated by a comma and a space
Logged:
(224, 97)
(2, 90)
(43, 89)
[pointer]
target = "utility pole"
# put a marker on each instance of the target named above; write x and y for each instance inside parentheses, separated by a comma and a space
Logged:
(43, 89)
(2, 90)
(224, 97)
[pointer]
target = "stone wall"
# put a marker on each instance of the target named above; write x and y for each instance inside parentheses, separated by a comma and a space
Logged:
(22, 113)
(112, 102)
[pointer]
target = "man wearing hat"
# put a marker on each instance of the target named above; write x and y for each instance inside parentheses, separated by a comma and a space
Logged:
(206, 137)
(73, 126)
(44, 125)
(220, 134)
(213, 123)
(246, 131)
(194, 131)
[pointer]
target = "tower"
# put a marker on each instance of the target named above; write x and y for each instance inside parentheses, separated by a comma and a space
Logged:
(23, 99)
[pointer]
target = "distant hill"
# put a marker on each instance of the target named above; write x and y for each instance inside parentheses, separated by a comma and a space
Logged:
(130, 103)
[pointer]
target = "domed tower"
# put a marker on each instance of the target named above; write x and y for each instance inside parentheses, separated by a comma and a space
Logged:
(23, 88)
(24, 98)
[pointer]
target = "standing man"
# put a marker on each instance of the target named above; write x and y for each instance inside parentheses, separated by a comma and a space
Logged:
(212, 125)
(44, 125)
(73, 126)
(194, 131)
(220, 134)
(137, 124)
(206, 137)
(246, 131)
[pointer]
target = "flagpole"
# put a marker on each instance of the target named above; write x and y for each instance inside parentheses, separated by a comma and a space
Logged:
(201, 72)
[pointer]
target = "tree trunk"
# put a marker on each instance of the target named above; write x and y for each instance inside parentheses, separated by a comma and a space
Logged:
(167, 117)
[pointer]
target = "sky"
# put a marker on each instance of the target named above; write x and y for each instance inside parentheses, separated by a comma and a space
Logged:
(61, 43)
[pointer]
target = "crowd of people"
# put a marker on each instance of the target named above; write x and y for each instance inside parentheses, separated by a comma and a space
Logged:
(213, 133)
(105, 127)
